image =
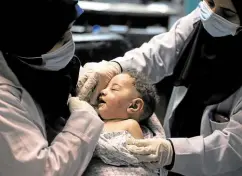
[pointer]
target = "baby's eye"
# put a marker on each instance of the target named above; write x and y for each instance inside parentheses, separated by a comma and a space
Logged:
(114, 89)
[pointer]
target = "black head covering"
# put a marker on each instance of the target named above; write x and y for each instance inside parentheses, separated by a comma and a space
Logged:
(32, 27)
(238, 7)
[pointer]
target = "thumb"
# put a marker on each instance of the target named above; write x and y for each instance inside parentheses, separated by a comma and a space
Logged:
(73, 103)
(95, 94)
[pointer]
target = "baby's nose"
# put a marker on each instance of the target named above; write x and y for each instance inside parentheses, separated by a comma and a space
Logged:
(103, 92)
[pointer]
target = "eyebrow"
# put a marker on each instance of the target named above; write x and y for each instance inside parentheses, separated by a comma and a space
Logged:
(115, 84)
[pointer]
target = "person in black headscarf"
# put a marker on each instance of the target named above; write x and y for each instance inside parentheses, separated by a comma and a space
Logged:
(202, 53)
(38, 72)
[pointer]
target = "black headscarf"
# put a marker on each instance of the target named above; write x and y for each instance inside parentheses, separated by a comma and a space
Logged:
(238, 7)
(210, 67)
(32, 27)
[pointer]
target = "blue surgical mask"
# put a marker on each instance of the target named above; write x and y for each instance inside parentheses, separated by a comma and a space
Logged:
(214, 24)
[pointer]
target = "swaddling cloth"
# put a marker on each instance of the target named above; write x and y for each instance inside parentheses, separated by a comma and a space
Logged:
(98, 167)
(111, 149)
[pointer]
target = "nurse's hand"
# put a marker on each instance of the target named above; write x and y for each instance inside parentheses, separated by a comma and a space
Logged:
(75, 104)
(95, 78)
(151, 150)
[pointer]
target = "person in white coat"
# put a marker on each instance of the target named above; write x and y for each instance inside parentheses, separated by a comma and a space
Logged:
(202, 53)
(37, 74)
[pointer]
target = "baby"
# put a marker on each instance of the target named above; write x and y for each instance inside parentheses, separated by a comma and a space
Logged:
(127, 100)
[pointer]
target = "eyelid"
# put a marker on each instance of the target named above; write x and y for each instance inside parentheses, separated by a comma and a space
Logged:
(115, 87)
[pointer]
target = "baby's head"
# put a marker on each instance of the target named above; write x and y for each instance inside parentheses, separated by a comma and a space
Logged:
(129, 95)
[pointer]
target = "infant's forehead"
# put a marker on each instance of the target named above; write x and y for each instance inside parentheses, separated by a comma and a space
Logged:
(126, 82)
(123, 78)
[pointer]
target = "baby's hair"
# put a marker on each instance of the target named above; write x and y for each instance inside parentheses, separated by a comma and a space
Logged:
(146, 90)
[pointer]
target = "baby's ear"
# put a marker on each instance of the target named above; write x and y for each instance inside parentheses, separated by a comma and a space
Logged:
(136, 106)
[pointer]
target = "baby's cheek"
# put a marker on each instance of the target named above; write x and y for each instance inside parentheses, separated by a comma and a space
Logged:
(120, 102)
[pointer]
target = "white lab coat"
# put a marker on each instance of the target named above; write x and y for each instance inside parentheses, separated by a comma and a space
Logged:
(24, 149)
(218, 151)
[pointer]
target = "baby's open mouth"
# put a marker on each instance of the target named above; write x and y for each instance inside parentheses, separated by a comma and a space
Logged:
(101, 101)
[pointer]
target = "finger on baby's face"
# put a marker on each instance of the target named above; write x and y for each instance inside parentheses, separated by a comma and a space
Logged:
(96, 91)
(87, 88)
(95, 94)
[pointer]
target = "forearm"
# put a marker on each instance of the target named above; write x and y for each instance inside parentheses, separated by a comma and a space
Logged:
(27, 152)
(83, 131)
(158, 57)
(216, 154)
(149, 59)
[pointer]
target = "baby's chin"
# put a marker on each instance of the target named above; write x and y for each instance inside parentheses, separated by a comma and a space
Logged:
(102, 114)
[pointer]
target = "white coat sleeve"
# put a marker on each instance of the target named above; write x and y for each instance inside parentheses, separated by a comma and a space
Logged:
(216, 154)
(25, 151)
(158, 57)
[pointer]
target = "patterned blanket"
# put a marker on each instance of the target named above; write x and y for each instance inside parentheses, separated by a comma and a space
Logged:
(112, 158)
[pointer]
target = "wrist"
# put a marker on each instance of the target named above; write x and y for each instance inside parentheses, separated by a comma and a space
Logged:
(117, 66)
(171, 157)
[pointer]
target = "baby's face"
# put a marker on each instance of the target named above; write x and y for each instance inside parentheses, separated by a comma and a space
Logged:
(117, 97)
